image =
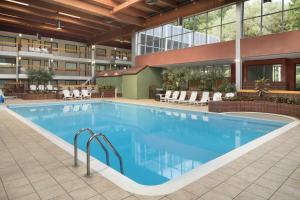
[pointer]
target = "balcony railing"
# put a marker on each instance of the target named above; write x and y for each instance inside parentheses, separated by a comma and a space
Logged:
(8, 46)
(7, 70)
(59, 71)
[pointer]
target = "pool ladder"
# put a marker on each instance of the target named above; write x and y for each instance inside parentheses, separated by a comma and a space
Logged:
(96, 136)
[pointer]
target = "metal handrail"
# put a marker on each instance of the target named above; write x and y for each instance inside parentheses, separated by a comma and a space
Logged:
(88, 152)
(92, 134)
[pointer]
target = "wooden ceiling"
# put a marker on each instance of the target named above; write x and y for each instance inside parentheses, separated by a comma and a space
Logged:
(108, 22)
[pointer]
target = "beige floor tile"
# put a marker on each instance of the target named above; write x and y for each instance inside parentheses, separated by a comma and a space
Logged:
(283, 196)
(248, 196)
(62, 197)
(44, 183)
(51, 192)
(260, 190)
(142, 197)
(116, 194)
(103, 186)
(32, 196)
(20, 191)
(196, 188)
(182, 195)
(228, 190)
(292, 191)
(83, 193)
(214, 195)
(98, 197)
(73, 184)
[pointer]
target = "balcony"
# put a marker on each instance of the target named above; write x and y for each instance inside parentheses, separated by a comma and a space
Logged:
(59, 71)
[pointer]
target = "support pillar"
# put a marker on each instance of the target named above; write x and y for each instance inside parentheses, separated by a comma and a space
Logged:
(93, 62)
(133, 48)
(238, 59)
(17, 67)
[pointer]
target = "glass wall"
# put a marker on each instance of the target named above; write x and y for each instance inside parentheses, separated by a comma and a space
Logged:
(270, 72)
(205, 28)
(270, 17)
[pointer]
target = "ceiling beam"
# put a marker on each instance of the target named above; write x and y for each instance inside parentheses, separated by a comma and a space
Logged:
(39, 27)
(189, 9)
(109, 36)
(42, 20)
(169, 3)
(125, 5)
(48, 7)
(96, 10)
(106, 3)
(29, 12)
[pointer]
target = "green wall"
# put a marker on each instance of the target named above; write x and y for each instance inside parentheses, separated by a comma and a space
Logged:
(129, 86)
(111, 81)
(134, 86)
(148, 77)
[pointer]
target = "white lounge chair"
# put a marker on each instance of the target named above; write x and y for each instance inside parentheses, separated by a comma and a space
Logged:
(181, 97)
(41, 87)
(49, 87)
(174, 96)
(204, 99)
(192, 98)
(77, 94)
(32, 88)
(67, 94)
(229, 95)
(217, 96)
(166, 96)
(86, 94)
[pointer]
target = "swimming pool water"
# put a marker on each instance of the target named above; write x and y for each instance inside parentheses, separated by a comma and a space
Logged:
(156, 144)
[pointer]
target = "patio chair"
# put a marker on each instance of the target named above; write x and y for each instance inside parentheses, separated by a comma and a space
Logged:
(77, 94)
(41, 88)
(86, 94)
(204, 99)
(217, 96)
(174, 96)
(181, 97)
(166, 96)
(67, 95)
(192, 98)
(229, 95)
(33, 88)
(49, 87)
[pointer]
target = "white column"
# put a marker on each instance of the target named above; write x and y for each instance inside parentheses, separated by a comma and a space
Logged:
(93, 63)
(17, 67)
(238, 60)
(133, 48)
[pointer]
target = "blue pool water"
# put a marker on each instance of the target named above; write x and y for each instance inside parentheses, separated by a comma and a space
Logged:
(156, 144)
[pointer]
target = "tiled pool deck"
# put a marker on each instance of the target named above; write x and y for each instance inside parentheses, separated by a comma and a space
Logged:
(32, 167)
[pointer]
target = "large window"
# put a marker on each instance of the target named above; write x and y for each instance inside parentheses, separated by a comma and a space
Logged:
(270, 17)
(209, 27)
(270, 72)
(70, 48)
(71, 66)
(100, 52)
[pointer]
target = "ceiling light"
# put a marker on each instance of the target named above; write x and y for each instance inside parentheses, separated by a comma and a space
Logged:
(58, 25)
(69, 15)
(18, 2)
